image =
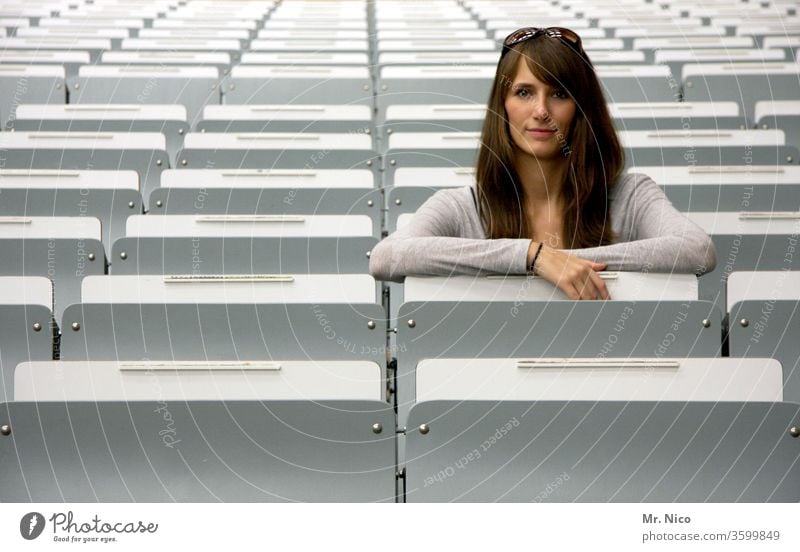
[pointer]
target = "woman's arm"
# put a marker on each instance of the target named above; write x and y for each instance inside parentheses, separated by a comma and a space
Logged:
(655, 236)
(438, 242)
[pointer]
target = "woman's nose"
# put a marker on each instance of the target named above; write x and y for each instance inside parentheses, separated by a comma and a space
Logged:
(540, 110)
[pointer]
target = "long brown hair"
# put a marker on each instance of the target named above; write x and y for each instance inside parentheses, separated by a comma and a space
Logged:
(594, 153)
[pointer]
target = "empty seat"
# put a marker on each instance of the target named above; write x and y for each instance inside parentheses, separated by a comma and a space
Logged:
(197, 451)
(636, 83)
(784, 115)
(306, 58)
(29, 84)
(286, 118)
(676, 115)
(169, 120)
(70, 61)
(220, 60)
(110, 196)
(144, 152)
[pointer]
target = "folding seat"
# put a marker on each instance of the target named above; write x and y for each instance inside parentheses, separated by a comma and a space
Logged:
(144, 152)
(761, 31)
(242, 35)
(433, 85)
(745, 83)
(197, 451)
(70, 61)
(306, 84)
(191, 86)
(603, 451)
(64, 249)
(439, 58)
(115, 35)
(132, 22)
(690, 147)
(429, 149)
(318, 44)
(687, 40)
(708, 36)
(274, 150)
(229, 46)
(430, 33)
(765, 316)
(27, 326)
(636, 83)
(110, 196)
(311, 34)
(287, 118)
(306, 58)
(676, 59)
(269, 192)
(169, 120)
(95, 46)
(29, 84)
(433, 118)
(221, 23)
(676, 115)
(784, 115)
(220, 60)
(746, 241)
(787, 43)
(728, 187)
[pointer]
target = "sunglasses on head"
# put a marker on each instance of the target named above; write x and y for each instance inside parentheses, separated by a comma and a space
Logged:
(567, 36)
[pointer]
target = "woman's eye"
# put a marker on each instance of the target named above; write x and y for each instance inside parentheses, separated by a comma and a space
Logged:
(560, 94)
(523, 93)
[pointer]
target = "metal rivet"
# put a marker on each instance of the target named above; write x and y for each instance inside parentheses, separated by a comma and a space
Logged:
(371, 325)
(77, 85)
(213, 87)
(184, 162)
(131, 204)
(159, 203)
(412, 323)
(398, 202)
(377, 428)
(689, 84)
(706, 323)
(202, 131)
(369, 163)
(5, 429)
(794, 431)
(231, 87)
(744, 322)
(365, 87)
(764, 126)
(384, 87)
(392, 162)
(741, 127)
(424, 429)
(789, 158)
(92, 256)
(180, 131)
(370, 203)
(58, 86)
(159, 162)
(76, 326)
(369, 254)
(37, 327)
(389, 131)
(367, 131)
(123, 255)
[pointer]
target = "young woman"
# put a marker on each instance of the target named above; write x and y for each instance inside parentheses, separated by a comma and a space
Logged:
(551, 197)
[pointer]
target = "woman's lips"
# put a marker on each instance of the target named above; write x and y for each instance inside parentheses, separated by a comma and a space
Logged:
(540, 132)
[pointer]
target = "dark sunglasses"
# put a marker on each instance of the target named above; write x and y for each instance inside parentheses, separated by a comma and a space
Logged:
(567, 36)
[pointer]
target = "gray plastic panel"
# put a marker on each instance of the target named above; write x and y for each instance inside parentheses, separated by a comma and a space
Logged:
(224, 332)
(299, 91)
(591, 329)
(270, 201)
(743, 252)
(727, 155)
(111, 206)
(396, 158)
(148, 163)
(65, 261)
(19, 342)
(173, 131)
(772, 330)
(197, 452)
(405, 199)
(637, 89)
(790, 124)
(729, 197)
(310, 125)
(678, 123)
(242, 255)
(519, 451)
(16, 90)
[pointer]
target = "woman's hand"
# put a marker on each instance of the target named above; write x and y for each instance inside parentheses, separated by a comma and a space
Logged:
(576, 277)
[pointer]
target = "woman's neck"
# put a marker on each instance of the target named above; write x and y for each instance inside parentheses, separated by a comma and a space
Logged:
(541, 181)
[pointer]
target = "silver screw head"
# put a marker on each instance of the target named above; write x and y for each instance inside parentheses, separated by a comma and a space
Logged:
(159, 162)
(76, 326)
(392, 162)
(398, 202)
(37, 327)
(123, 255)
(371, 324)
(744, 322)
(424, 429)
(180, 131)
(184, 162)
(377, 428)
(92, 256)
(706, 323)
(794, 431)
(412, 323)
(5, 429)
(131, 204)
(370, 203)
(159, 203)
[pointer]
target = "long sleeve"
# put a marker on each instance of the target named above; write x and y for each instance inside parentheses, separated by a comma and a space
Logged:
(653, 235)
(442, 239)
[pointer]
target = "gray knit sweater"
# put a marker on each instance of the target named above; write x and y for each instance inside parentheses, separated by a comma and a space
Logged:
(446, 237)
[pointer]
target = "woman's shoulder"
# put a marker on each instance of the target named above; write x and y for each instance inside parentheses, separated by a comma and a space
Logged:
(629, 181)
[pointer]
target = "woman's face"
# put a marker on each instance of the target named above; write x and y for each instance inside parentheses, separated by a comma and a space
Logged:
(539, 116)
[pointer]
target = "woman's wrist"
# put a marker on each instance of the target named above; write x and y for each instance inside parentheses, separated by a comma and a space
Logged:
(534, 251)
